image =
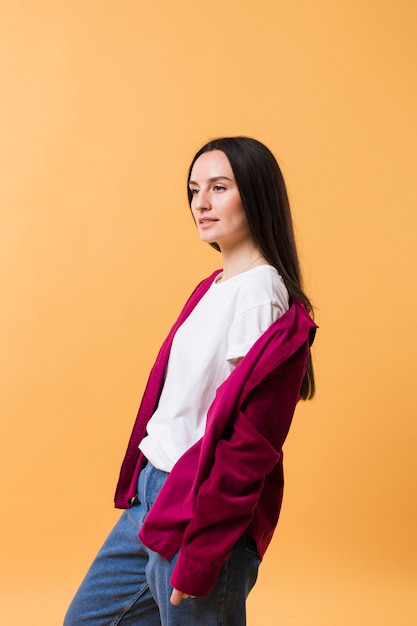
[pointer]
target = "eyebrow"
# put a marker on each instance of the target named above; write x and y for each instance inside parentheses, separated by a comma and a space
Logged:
(211, 180)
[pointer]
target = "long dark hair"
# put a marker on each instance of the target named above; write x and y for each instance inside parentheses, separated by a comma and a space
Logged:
(265, 200)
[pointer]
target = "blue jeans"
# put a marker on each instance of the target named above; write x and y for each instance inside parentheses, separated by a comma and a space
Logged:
(129, 584)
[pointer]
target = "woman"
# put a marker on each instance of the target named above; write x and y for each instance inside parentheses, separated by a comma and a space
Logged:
(202, 478)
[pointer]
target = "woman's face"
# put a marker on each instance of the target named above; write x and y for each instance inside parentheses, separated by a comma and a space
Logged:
(216, 204)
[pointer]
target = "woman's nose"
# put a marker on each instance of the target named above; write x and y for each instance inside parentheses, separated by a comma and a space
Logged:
(201, 201)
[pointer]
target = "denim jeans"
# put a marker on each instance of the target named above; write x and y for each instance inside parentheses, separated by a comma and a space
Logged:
(128, 584)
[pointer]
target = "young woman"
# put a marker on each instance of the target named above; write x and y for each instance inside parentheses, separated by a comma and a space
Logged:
(202, 478)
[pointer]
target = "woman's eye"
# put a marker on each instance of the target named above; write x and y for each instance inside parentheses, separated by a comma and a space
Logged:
(194, 192)
(219, 188)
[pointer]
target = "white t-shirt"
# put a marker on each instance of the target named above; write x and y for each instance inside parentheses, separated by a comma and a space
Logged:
(219, 331)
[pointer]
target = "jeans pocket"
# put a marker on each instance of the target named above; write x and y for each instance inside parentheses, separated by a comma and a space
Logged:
(250, 544)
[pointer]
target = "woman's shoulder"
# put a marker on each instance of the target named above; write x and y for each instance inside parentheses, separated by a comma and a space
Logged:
(263, 284)
(264, 275)
(259, 287)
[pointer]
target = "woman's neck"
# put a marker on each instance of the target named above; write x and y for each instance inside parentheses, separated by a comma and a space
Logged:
(240, 261)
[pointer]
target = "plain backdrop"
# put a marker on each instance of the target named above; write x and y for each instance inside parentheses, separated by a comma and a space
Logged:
(102, 106)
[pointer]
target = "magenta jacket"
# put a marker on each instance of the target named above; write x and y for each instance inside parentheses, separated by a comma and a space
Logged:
(231, 480)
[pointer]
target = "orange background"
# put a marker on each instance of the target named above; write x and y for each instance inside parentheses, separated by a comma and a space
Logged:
(102, 106)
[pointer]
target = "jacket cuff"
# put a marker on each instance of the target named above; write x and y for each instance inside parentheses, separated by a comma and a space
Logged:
(193, 577)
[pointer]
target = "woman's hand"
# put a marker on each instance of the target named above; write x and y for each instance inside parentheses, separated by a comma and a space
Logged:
(177, 596)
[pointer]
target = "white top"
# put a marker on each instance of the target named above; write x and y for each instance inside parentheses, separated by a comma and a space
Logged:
(219, 331)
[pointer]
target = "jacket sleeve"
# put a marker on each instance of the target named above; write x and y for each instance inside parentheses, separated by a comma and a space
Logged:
(226, 500)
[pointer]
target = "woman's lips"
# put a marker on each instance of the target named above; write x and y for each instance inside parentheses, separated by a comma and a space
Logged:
(206, 222)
